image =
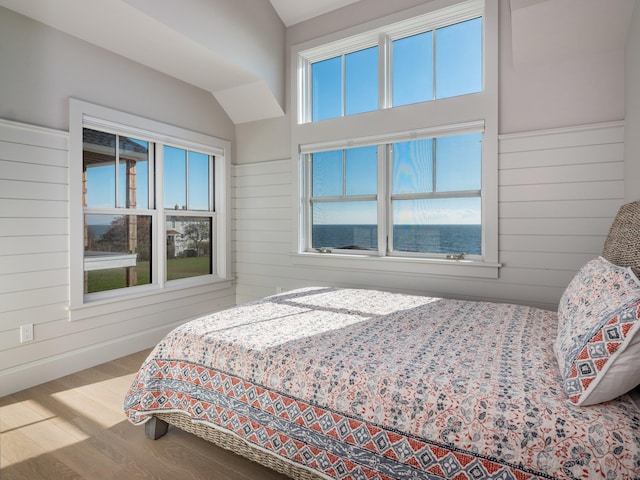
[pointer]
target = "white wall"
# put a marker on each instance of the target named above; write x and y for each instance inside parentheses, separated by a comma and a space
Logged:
(632, 111)
(560, 178)
(41, 68)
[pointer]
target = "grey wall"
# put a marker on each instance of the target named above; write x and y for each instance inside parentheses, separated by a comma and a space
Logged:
(42, 67)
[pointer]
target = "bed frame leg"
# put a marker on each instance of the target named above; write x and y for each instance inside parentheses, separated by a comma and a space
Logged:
(155, 428)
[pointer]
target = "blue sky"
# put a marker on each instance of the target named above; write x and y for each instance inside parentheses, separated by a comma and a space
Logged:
(176, 161)
(412, 173)
(178, 164)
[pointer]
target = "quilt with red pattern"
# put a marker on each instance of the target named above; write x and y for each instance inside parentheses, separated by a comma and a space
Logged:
(363, 384)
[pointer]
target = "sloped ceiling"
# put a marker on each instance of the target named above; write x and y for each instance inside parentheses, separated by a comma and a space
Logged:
(296, 11)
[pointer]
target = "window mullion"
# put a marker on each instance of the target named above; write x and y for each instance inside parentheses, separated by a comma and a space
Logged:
(382, 198)
(385, 65)
(212, 176)
(436, 195)
(186, 178)
(160, 260)
(344, 85)
(344, 198)
(344, 173)
(308, 189)
(151, 175)
(433, 165)
(433, 65)
(117, 167)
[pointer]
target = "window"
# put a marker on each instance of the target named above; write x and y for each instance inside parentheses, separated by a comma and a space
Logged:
(413, 183)
(423, 61)
(116, 200)
(188, 185)
(345, 85)
(150, 206)
(439, 63)
(344, 200)
(433, 205)
(436, 195)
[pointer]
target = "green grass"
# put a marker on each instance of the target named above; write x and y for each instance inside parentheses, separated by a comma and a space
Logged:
(187, 267)
(111, 279)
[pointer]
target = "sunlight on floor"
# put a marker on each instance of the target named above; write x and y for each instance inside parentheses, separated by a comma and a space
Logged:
(30, 430)
(48, 423)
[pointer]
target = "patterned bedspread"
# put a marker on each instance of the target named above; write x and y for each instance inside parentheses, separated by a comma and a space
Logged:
(362, 384)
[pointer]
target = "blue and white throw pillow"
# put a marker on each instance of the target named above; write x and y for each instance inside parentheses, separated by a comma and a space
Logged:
(597, 345)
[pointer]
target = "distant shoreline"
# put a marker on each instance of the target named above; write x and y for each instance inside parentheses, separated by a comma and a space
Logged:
(409, 238)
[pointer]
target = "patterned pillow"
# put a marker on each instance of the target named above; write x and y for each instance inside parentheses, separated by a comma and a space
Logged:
(597, 348)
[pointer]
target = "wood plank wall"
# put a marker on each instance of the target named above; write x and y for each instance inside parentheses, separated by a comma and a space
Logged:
(34, 274)
(558, 193)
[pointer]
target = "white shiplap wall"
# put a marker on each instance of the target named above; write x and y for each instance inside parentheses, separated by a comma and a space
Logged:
(34, 235)
(34, 274)
(558, 193)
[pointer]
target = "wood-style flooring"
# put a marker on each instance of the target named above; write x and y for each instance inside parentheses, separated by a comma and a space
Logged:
(74, 428)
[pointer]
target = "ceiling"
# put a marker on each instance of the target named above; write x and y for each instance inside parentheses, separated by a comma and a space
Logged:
(296, 11)
(190, 39)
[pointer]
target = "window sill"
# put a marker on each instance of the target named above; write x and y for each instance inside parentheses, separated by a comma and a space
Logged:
(404, 266)
(145, 297)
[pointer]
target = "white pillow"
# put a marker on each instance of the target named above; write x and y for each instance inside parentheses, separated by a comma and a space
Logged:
(597, 345)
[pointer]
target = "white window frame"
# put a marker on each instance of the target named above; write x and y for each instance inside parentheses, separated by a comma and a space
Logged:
(86, 115)
(408, 121)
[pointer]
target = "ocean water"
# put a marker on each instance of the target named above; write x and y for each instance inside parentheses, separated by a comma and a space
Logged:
(406, 238)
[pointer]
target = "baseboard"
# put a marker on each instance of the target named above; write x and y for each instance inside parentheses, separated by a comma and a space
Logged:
(35, 373)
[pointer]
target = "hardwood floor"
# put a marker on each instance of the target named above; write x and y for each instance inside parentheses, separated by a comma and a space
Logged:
(74, 428)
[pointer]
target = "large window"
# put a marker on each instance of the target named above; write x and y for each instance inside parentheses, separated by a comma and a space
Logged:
(396, 142)
(148, 215)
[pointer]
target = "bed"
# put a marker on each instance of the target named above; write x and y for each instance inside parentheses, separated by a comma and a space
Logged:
(363, 384)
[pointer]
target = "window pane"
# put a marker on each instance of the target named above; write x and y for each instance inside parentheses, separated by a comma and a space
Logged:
(362, 171)
(350, 225)
(198, 185)
(413, 166)
(175, 178)
(459, 163)
(326, 89)
(327, 173)
(117, 251)
(133, 171)
(361, 78)
(451, 225)
(459, 59)
(188, 246)
(99, 165)
(413, 69)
